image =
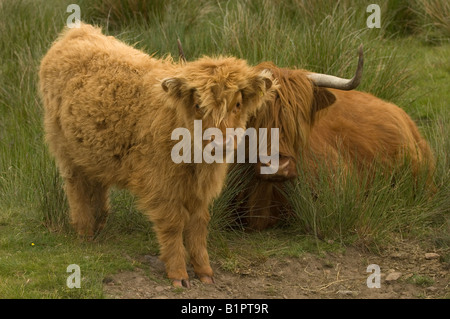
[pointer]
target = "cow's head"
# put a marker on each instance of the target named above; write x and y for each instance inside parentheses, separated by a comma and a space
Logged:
(221, 92)
(294, 109)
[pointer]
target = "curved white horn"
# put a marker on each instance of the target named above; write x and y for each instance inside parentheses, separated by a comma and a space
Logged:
(330, 81)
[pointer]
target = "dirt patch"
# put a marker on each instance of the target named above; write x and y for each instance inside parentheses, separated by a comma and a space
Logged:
(410, 272)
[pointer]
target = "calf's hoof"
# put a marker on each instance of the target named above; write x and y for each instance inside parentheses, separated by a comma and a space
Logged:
(207, 279)
(180, 283)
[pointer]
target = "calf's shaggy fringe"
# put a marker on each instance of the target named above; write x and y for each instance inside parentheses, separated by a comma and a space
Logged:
(109, 113)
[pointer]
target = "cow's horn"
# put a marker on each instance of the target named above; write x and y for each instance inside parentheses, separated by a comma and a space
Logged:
(330, 81)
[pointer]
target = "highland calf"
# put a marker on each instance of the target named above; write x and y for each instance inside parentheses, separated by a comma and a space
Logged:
(322, 123)
(110, 111)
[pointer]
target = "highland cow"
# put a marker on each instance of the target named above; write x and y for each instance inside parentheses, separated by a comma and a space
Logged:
(323, 123)
(110, 110)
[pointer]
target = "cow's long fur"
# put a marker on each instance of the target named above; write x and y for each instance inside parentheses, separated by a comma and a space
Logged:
(109, 113)
(354, 130)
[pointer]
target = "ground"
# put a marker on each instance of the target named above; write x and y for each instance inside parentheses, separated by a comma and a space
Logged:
(408, 271)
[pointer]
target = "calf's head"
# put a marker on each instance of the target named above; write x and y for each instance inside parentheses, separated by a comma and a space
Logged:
(221, 93)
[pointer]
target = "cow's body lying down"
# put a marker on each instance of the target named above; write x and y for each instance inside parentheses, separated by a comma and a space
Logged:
(328, 127)
(110, 111)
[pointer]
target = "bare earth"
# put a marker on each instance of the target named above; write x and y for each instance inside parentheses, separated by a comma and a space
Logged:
(409, 272)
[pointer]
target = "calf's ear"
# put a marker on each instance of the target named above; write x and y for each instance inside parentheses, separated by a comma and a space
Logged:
(178, 90)
(175, 87)
(258, 91)
(263, 81)
(321, 100)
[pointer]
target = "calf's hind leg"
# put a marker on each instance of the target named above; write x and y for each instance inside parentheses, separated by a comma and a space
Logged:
(88, 202)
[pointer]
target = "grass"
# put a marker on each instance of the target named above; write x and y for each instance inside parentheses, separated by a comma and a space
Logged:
(406, 61)
(422, 281)
(34, 260)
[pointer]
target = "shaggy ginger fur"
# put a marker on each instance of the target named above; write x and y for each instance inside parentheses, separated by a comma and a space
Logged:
(331, 127)
(109, 114)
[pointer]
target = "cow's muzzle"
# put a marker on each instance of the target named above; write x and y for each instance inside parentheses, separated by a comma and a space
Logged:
(286, 170)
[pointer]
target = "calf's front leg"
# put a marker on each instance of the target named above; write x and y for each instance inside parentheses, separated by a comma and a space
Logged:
(196, 233)
(169, 223)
